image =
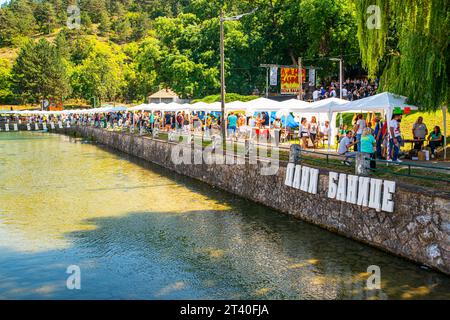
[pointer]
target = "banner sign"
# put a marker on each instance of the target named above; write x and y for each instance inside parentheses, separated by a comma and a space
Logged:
(274, 76)
(289, 80)
(312, 77)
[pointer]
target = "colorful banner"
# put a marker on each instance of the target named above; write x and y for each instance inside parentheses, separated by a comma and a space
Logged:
(274, 76)
(290, 81)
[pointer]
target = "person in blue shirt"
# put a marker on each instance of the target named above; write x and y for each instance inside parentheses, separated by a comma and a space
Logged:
(435, 140)
(368, 142)
(232, 124)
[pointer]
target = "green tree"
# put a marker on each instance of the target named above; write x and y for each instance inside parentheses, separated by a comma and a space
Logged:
(407, 44)
(105, 23)
(6, 94)
(122, 30)
(39, 72)
(8, 27)
(147, 61)
(95, 8)
(23, 11)
(101, 74)
(45, 16)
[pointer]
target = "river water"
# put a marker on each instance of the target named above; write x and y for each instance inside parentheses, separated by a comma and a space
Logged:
(137, 231)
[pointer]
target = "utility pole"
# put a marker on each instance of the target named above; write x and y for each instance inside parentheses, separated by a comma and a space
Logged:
(267, 82)
(222, 64)
(341, 77)
(341, 73)
(300, 79)
(444, 112)
(222, 75)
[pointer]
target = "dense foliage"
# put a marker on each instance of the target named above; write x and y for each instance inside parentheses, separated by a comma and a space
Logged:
(409, 49)
(126, 49)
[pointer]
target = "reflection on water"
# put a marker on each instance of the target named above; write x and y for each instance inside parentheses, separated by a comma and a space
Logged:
(138, 231)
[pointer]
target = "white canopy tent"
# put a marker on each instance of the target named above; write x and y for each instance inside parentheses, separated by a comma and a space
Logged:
(236, 106)
(141, 107)
(263, 104)
(383, 102)
(206, 107)
(171, 107)
(200, 106)
(295, 105)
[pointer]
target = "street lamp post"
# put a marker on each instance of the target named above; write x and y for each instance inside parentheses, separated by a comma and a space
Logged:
(341, 74)
(222, 63)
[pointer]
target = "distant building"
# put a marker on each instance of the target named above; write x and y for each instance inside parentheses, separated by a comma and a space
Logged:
(164, 96)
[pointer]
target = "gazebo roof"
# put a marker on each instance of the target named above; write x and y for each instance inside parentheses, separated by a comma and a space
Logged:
(166, 93)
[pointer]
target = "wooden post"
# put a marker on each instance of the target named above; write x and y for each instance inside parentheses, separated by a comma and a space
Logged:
(300, 79)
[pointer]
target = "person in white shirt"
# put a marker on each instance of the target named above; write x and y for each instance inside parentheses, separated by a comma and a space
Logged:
(325, 130)
(345, 144)
(316, 94)
(344, 93)
(313, 128)
(359, 128)
(304, 133)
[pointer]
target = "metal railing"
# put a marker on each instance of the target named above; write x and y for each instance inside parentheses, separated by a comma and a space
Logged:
(406, 169)
(336, 161)
(312, 157)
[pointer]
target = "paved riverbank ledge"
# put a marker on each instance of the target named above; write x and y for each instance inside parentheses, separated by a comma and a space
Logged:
(418, 228)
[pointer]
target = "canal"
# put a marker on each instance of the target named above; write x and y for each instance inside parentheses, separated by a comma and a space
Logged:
(137, 231)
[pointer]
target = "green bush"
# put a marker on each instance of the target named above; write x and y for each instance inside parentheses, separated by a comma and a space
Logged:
(230, 97)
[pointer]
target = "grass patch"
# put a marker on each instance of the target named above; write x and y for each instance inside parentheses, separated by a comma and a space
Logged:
(431, 119)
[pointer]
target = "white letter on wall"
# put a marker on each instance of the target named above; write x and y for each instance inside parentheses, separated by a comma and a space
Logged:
(375, 194)
(297, 177)
(305, 179)
(332, 186)
(352, 189)
(342, 187)
(388, 192)
(313, 180)
(363, 192)
(289, 174)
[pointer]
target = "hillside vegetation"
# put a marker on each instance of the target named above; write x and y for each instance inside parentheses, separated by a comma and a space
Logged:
(123, 49)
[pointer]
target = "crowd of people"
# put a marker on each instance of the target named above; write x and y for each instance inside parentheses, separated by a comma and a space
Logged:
(372, 136)
(382, 140)
(351, 90)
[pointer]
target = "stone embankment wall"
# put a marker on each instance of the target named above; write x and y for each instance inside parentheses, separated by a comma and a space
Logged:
(419, 228)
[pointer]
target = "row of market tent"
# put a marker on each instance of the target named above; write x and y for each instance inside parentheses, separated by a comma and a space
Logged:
(381, 103)
(105, 109)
